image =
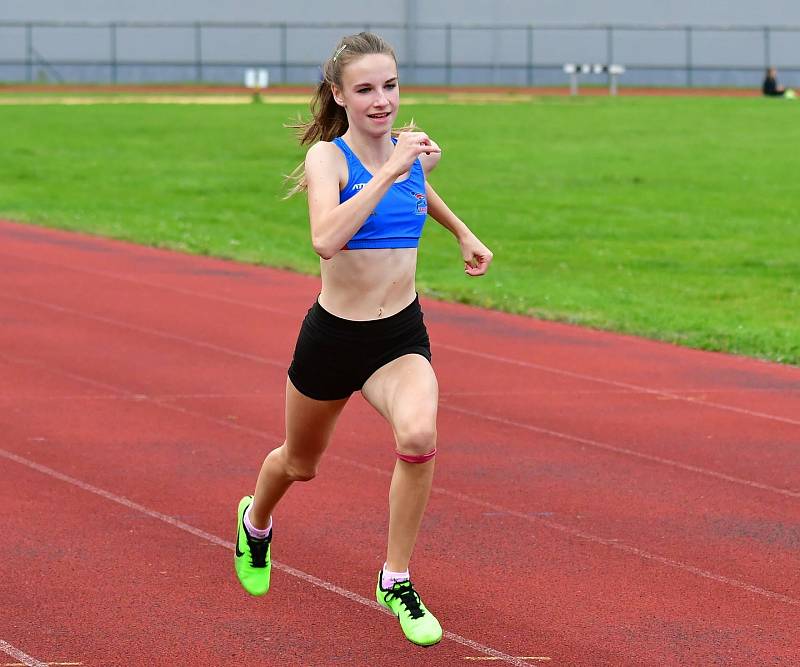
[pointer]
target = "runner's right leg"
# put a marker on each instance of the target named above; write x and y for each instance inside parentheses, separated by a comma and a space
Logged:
(309, 426)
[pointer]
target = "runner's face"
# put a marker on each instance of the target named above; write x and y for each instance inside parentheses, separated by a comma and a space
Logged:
(370, 93)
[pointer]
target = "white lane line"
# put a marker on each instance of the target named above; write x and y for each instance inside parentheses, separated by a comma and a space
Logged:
(126, 394)
(537, 658)
(620, 392)
(145, 330)
(112, 397)
(615, 383)
(621, 450)
(24, 658)
(73, 397)
(589, 537)
(608, 542)
(454, 348)
(225, 544)
(155, 285)
(264, 360)
(272, 362)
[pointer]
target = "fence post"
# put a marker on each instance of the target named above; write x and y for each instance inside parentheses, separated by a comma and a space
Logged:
(284, 53)
(689, 66)
(530, 55)
(198, 52)
(609, 51)
(29, 52)
(411, 40)
(494, 57)
(113, 38)
(767, 49)
(448, 44)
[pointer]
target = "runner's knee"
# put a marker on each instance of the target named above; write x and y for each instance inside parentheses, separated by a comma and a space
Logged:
(416, 445)
(299, 469)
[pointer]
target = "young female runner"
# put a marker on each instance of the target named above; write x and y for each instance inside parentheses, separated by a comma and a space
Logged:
(367, 201)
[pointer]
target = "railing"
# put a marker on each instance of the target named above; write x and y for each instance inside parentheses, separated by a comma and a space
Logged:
(451, 54)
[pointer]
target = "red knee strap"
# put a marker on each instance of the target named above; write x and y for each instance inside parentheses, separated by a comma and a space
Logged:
(422, 458)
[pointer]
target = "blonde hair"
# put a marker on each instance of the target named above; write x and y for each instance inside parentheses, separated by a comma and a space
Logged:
(329, 119)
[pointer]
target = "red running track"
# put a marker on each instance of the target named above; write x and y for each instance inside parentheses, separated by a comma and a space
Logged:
(599, 500)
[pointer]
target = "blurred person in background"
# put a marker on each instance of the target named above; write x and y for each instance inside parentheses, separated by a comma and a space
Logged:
(770, 87)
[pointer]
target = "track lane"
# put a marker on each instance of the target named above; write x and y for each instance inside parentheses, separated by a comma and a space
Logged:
(732, 627)
(70, 628)
(221, 281)
(638, 418)
(139, 448)
(332, 483)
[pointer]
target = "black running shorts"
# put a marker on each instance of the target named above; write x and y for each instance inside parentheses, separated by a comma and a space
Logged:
(334, 357)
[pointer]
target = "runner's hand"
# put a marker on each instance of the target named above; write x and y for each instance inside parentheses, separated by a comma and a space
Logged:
(409, 146)
(477, 256)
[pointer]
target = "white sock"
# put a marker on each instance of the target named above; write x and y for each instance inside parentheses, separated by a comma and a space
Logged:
(388, 578)
(258, 533)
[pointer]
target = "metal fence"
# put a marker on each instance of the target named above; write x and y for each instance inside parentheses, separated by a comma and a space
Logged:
(450, 54)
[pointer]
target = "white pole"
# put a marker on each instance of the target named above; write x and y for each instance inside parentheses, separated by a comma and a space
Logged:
(572, 70)
(614, 71)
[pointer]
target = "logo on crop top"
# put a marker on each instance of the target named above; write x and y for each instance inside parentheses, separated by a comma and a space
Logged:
(358, 186)
(422, 204)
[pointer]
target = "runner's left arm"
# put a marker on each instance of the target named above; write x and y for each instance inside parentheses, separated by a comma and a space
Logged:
(477, 256)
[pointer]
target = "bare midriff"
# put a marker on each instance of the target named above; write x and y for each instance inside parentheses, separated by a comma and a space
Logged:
(368, 284)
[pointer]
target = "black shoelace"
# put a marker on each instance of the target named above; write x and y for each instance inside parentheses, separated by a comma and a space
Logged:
(258, 550)
(408, 597)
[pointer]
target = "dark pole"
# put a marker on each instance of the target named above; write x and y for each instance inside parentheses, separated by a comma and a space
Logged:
(113, 36)
(198, 52)
(530, 55)
(609, 49)
(411, 40)
(29, 52)
(767, 54)
(448, 54)
(689, 73)
(284, 53)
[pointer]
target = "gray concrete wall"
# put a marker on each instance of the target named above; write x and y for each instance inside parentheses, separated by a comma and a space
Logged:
(724, 12)
(501, 51)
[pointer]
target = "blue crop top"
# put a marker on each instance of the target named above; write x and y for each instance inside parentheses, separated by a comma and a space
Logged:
(398, 218)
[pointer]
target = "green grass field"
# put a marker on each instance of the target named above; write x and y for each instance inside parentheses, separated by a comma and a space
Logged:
(673, 218)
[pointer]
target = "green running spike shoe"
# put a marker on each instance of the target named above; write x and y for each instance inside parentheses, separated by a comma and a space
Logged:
(418, 624)
(252, 559)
